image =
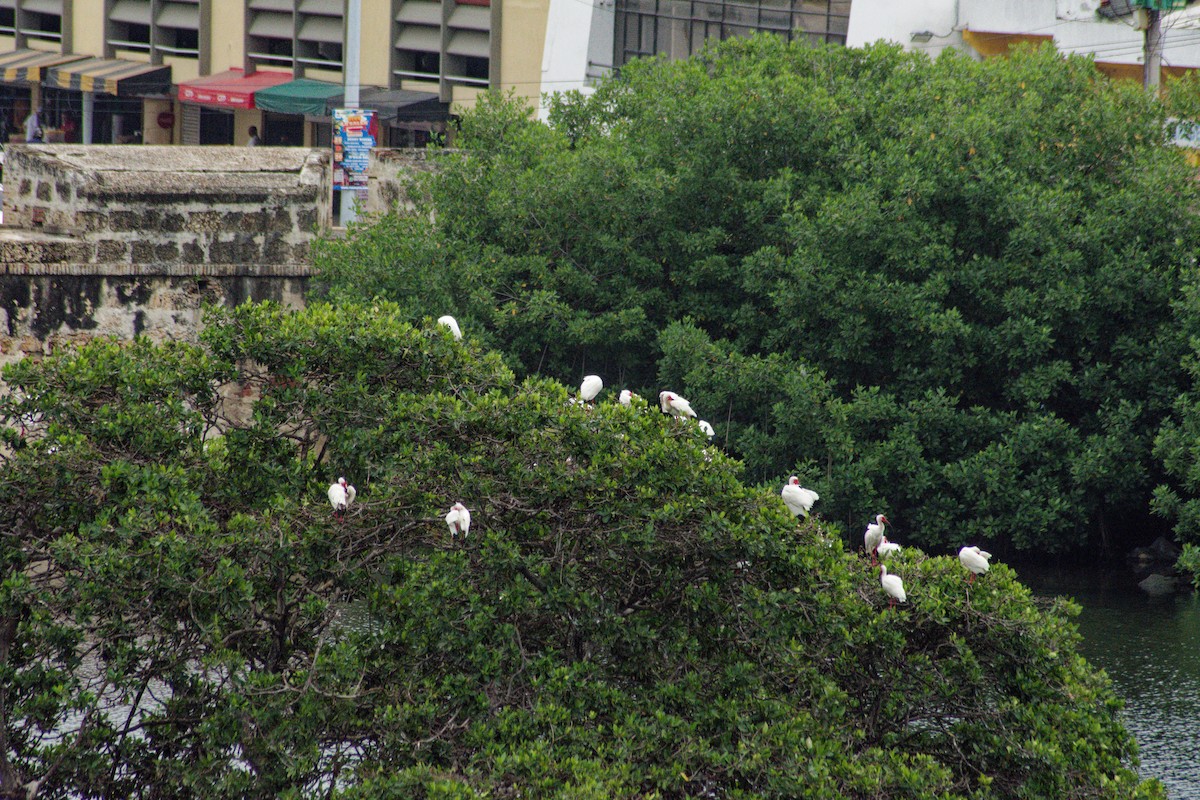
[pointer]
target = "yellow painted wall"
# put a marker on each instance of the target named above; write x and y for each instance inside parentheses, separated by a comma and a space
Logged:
(375, 55)
(242, 120)
(87, 27)
(43, 45)
(228, 35)
(522, 39)
(327, 75)
(182, 69)
(139, 56)
(151, 133)
(462, 98)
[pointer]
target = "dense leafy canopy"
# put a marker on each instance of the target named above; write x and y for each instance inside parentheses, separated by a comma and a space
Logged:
(941, 289)
(181, 615)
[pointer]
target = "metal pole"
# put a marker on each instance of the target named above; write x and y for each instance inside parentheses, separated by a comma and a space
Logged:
(89, 115)
(350, 60)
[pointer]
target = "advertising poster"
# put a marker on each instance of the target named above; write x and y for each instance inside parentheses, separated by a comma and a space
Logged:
(352, 143)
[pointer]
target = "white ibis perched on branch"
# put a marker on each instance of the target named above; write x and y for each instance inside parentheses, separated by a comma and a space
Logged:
(975, 561)
(707, 428)
(459, 520)
(874, 535)
(591, 386)
(341, 495)
(626, 397)
(451, 323)
(886, 548)
(892, 586)
(675, 405)
(798, 499)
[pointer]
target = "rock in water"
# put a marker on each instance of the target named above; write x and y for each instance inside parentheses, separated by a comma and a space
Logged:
(1157, 585)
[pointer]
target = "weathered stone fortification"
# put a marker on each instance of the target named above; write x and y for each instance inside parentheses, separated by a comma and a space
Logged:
(121, 241)
(171, 206)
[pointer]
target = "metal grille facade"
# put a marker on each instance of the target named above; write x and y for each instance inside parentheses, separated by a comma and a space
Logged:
(680, 28)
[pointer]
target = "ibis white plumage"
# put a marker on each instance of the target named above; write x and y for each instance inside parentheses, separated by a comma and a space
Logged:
(892, 585)
(874, 535)
(975, 561)
(451, 323)
(341, 495)
(459, 520)
(798, 499)
(626, 397)
(886, 548)
(675, 405)
(707, 428)
(591, 386)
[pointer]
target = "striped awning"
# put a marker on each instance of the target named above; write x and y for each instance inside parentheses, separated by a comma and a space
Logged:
(111, 76)
(27, 66)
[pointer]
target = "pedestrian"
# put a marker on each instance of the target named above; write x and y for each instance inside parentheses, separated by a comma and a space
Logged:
(33, 126)
(254, 140)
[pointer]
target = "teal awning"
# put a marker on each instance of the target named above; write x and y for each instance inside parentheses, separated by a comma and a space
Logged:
(301, 96)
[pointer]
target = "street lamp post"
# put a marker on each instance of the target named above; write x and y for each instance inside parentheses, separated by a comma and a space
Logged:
(350, 94)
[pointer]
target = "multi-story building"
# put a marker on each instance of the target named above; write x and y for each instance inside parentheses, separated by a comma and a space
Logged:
(1110, 31)
(204, 71)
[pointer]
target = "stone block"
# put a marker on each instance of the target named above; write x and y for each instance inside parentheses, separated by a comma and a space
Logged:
(241, 249)
(250, 221)
(112, 251)
(150, 252)
(204, 222)
(306, 219)
(172, 222)
(192, 253)
(91, 221)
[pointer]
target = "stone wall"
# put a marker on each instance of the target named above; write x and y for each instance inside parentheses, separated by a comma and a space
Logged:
(39, 313)
(120, 241)
(164, 206)
(391, 177)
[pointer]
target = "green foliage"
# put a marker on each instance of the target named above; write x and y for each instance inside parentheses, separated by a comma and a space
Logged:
(920, 283)
(626, 619)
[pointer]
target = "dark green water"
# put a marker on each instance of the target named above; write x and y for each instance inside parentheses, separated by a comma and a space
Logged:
(1150, 648)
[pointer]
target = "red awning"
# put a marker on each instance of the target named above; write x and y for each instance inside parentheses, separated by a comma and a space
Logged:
(232, 89)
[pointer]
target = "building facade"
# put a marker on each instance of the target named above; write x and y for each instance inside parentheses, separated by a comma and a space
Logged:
(205, 71)
(985, 28)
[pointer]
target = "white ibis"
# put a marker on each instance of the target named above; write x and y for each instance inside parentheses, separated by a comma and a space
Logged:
(341, 494)
(590, 387)
(451, 323)
(798, 499)
(892, 585)
(708, 429)
(874, 535)
(886, 548)
(675, 405)
(626, 397)
(459, 520)
(974, 560)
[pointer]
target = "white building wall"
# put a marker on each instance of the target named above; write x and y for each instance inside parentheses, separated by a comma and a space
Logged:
(887, 20)
(578, 46)
(1072, 24)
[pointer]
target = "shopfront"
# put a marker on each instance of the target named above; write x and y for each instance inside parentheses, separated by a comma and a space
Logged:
(103, 101)
(21, 75)
(219, 109)
(402, 118)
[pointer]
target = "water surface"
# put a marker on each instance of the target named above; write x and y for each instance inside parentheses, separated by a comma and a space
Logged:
(1150, 648)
